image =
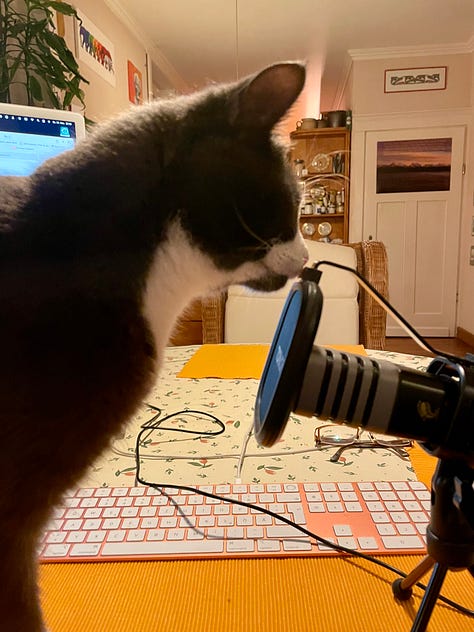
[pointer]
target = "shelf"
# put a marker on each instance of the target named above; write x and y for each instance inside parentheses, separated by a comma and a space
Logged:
(318, 131)
(322, 175)
(323, 215)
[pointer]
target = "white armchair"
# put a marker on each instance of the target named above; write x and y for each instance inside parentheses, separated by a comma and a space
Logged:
(252, 316)
(348, 317)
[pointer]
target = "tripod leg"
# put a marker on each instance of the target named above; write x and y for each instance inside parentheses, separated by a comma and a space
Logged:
(402, 588)
(429, 600)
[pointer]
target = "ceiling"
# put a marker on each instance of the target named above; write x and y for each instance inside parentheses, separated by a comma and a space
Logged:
(194, 42)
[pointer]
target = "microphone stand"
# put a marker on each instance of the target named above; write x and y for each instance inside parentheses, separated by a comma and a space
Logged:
(450, 532)
(450, 536)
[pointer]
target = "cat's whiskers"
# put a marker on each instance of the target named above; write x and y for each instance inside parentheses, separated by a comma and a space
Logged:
(267, 245)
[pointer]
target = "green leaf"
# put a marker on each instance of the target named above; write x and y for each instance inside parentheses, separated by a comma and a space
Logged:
(35, 88)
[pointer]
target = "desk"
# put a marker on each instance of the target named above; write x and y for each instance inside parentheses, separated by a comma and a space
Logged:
(268, 595)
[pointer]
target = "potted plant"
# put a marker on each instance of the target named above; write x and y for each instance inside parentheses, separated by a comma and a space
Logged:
(36, 65)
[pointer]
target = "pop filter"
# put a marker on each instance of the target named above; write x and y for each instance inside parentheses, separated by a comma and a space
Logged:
(287, 359)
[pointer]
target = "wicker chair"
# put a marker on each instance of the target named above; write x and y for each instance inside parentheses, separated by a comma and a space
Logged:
(371, 264)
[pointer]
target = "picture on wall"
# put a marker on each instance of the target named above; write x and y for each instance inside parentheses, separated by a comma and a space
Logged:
(415, 79)
(95, 49)
(135, 84)
(406, 166)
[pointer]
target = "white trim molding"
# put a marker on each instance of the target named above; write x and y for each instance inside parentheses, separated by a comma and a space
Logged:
(359, 54)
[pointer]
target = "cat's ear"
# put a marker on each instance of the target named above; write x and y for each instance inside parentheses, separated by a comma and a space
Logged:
(263, 99)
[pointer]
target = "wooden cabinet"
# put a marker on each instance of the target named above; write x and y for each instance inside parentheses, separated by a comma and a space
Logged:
(321, 159)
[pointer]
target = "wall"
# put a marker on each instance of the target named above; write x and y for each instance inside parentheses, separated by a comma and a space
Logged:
(466, 271)
(102, 99)
(374, 109)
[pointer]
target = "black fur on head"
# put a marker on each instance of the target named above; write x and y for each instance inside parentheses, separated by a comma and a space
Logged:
(233, 178)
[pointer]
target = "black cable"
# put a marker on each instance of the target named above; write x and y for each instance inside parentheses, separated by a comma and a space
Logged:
(150, 425)
(337, 547)
(418, 338)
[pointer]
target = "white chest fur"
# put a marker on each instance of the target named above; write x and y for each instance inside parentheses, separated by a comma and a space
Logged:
(180, 271)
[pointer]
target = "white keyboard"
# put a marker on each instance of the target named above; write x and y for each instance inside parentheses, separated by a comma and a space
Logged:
(136, 523)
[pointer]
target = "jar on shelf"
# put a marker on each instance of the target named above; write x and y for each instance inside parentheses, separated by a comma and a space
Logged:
(299, 167)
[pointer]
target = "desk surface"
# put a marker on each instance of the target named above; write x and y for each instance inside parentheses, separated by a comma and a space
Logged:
(269, 595)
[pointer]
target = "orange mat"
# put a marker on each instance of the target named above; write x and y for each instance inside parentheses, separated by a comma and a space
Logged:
(283, 595)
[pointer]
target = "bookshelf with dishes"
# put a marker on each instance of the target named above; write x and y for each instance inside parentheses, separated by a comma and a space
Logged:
(321, 160)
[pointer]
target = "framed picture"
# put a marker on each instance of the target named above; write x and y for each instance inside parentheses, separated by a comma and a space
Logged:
(135, 84)
(415, 79)
(409, 166)
(95, 49)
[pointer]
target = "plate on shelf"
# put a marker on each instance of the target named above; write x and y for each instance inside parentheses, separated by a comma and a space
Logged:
(321, 162)
(324, 229)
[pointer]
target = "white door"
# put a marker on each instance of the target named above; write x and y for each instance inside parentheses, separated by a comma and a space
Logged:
(420, 228)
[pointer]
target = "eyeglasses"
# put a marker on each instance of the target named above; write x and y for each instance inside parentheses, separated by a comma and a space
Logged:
(345, 437)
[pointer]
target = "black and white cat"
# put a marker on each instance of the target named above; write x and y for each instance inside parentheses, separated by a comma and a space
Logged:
(100, 250)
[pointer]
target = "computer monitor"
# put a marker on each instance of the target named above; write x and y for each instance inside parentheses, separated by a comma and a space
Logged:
(29, 135)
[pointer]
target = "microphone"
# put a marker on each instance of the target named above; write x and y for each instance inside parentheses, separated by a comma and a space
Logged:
(435, 408)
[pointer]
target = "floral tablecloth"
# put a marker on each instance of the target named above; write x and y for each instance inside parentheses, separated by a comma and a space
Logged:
(172, 456)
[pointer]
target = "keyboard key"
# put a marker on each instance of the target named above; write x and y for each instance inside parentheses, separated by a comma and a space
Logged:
(402, 485)
(84, 550)
(269, 546)
(348, 542)
(386, 529)
(297, 545)
(288, 497)
(349, 496)
(403, 541)
(380, 516)
(118, 535)
(56, 537)
(240, 546)
(76, 536)
(342, 529)
(163, 547)
(56, 550)
(382, 486)
(345, 487)
(331, 496)
(297, 513)
(399, 516)
(282, 531)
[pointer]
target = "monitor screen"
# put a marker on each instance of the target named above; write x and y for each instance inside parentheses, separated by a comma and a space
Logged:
(29, 135)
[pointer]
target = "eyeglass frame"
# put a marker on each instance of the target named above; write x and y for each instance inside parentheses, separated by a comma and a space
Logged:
(395, 445)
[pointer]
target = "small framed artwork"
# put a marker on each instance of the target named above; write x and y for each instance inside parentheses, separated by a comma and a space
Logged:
(415, 79)
(95, 49)
(135, 84)
(409, 166)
